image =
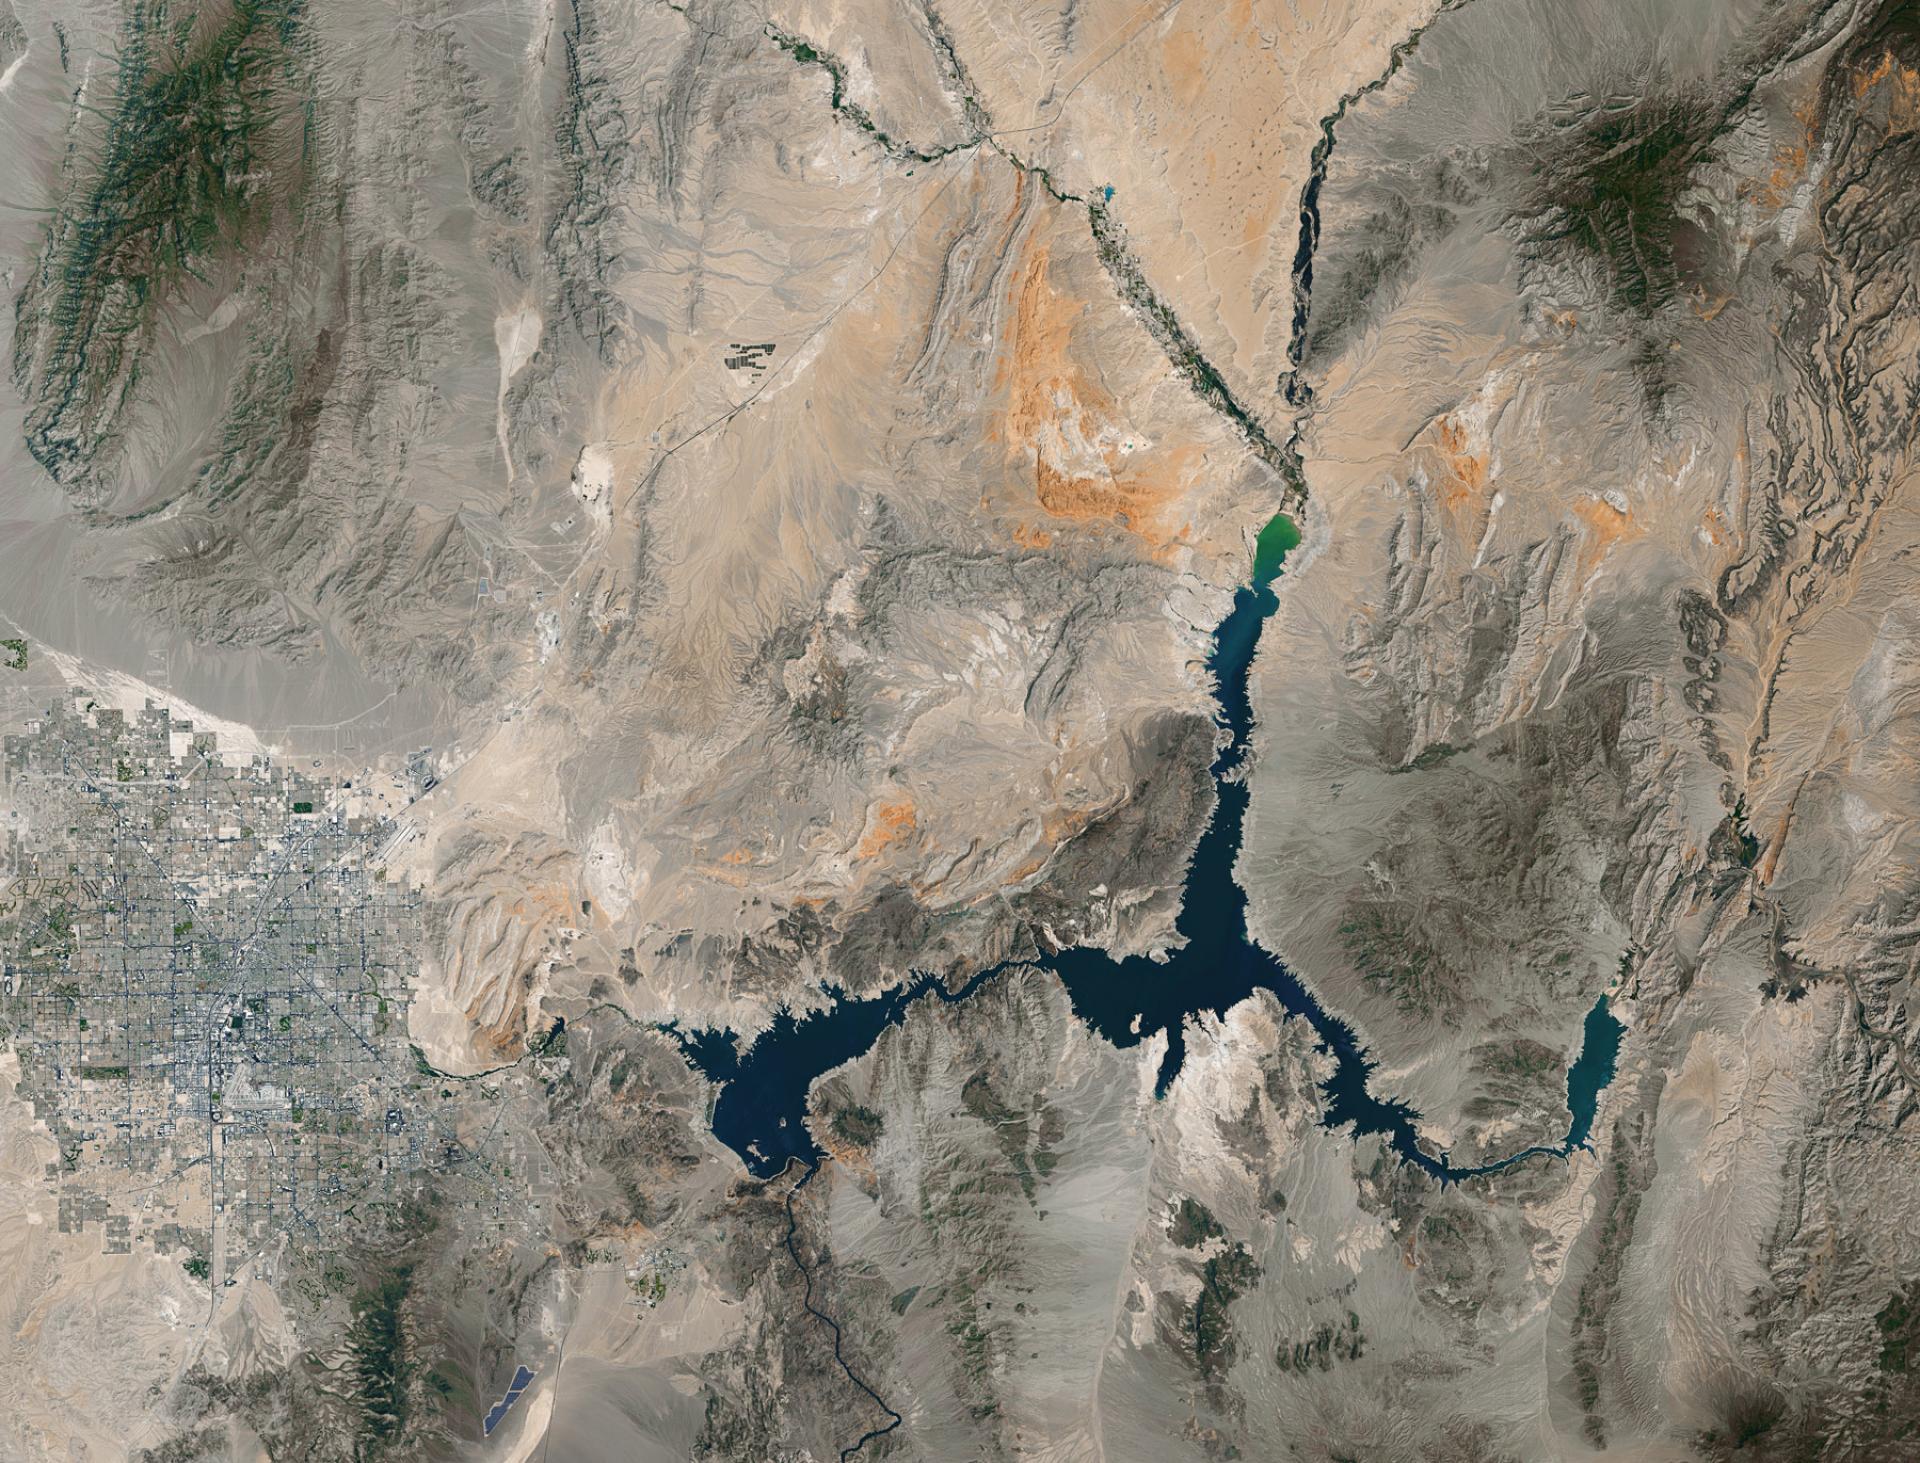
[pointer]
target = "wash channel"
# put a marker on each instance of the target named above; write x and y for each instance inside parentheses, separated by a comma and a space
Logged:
(761, 1110)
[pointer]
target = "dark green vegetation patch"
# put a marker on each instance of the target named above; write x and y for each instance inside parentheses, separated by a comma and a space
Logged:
(1193, 1225)
(1630, 1173)
(1389, 948)
(204, 133)
(1607, 176)
(1014, 1132)
(1327, 1343)
(380, 1363)
(1225, 1278)
(859, 1125)
(1899, 1325)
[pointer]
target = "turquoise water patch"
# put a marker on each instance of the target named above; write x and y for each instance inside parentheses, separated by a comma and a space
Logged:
(1279, 538)
(1592, 1070)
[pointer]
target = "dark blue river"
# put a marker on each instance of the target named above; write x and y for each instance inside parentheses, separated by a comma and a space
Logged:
(761, 1108)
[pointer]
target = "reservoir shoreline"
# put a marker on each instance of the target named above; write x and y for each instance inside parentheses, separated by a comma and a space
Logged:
(760, 1111)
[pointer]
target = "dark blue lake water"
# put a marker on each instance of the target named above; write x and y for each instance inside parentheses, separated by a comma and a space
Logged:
(760, 1112)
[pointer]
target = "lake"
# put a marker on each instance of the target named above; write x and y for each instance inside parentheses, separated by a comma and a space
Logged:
(761, 1108)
